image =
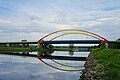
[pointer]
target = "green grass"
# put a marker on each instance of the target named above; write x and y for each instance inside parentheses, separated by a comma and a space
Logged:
(19, 49)
(22, 49)
(110, 58)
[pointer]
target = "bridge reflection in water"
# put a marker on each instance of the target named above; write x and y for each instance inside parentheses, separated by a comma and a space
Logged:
(60, 60)
(26, 66)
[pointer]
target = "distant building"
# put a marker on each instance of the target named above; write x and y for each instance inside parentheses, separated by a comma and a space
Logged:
(23, 40)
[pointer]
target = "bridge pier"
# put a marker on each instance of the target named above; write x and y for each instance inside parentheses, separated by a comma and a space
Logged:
(40, 46)
(71, 46)
(106, 45)
(10, 45)
(27, 45)
(5, 45)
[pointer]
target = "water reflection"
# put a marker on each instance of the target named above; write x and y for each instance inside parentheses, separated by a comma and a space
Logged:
(15, 67)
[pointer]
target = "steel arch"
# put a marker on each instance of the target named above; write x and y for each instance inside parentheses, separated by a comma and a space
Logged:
(84, 32)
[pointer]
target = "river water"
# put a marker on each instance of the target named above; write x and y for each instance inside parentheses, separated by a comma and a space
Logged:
(31, 68)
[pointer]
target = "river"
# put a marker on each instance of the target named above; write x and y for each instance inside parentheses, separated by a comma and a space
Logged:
(29, 68)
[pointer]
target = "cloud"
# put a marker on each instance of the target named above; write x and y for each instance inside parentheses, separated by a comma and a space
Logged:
(48, 16)
(4, 22)
(31, 71)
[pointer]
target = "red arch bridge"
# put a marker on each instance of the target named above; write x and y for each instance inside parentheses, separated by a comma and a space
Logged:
(55, 38)
(59, 37)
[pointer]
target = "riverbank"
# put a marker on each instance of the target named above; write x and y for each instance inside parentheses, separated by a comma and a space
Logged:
(102, 64)
(19, 49)
(33, 49)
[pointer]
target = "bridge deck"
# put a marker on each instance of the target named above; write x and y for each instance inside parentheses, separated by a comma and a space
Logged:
(63, 42)
(72, 42)
(18, 42)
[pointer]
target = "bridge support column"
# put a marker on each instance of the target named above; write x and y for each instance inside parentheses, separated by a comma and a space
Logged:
(10, 45)
(106, 45)
(5, 45)
(71, 46)
(27, 45)
(23, 45)
(40, 46)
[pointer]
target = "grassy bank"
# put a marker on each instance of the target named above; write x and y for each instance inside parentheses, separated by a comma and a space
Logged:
(30, 49)
(19, 49)
(110, 59)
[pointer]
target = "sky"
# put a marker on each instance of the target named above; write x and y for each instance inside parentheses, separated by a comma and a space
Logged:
(32, 19)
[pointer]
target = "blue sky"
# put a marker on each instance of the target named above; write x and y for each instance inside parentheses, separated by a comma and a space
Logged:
(30, 19)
